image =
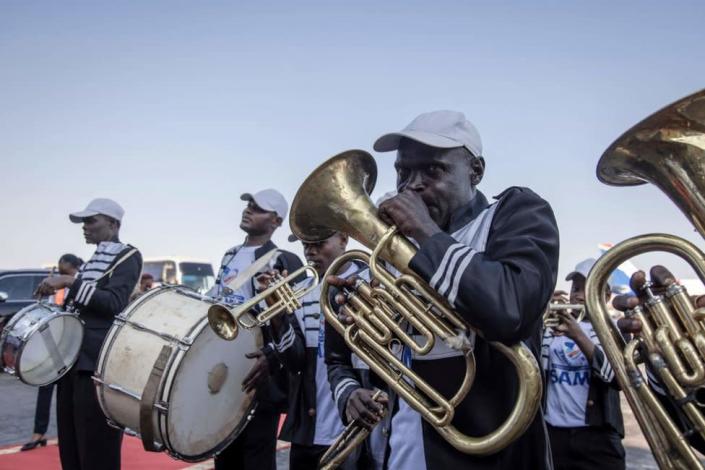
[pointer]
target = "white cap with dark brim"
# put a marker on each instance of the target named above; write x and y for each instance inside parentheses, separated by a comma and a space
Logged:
(270, 200)
(98, 206)
(582, 269)
(439, 129)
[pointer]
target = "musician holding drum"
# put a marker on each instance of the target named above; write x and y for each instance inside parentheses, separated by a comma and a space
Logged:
(495, 264)
(255, 447)
(99, 292)
(582, 410)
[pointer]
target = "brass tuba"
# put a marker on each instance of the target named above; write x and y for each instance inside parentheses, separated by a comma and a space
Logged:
(334, 198)
(668, 150)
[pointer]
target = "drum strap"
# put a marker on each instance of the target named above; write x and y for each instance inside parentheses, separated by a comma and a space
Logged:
(149, 397)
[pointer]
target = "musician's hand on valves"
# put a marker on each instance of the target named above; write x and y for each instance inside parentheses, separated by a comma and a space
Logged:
(259, 372)
(410, 214)
(661, 278)
(568, 325)
(53, 283)
(264, 280)
(364, 409)
(559, 297)
(343, 284)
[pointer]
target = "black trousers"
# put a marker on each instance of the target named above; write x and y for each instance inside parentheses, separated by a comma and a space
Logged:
(303, 457)
(586, 448)
(255, 448)
(86, 441)
(43, 409)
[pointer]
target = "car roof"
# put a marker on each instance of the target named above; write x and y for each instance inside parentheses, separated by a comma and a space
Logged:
(24, 271)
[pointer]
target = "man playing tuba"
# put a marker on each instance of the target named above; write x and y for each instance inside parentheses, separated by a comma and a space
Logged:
(494, 263)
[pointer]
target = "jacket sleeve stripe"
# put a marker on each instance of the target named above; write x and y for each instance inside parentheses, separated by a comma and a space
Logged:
(79, 294)
(444, 263)
(342, 385)
(458, 275)
(88, 294)
(286, 340)
(448, 274)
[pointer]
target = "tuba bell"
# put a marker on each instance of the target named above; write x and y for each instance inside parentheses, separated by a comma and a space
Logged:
(335, 198)
(666, 149)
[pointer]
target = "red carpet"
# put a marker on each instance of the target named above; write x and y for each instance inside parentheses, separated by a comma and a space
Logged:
(134, 457)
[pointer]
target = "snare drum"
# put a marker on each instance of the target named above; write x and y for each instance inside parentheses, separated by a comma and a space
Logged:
(40, 343)
(164, 375)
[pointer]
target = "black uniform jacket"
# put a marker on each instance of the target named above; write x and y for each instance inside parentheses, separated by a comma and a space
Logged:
(99, 301)
(497, 268)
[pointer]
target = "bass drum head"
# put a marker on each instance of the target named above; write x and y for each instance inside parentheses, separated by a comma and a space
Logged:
(207, 407)
(51, 350)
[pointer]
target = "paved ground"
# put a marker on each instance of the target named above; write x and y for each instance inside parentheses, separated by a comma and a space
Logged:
(17, 403)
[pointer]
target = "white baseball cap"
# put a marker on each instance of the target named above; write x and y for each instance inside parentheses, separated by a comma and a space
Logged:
(581, 269)
(440, 129)
(99, 206)
(270, 200)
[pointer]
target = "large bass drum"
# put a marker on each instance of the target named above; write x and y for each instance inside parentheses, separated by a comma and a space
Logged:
(40, 343)
(165, 376)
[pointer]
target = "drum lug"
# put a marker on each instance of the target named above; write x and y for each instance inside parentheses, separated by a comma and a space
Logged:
(162, 406)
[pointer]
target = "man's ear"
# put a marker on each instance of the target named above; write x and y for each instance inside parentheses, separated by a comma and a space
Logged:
(477, 170)
(277, 221)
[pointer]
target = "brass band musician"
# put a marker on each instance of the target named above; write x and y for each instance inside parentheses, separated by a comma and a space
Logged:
(582, 409)
(494, 262)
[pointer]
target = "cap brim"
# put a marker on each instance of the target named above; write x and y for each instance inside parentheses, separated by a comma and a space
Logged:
(389, 142)
(249, 197)
(77, 217)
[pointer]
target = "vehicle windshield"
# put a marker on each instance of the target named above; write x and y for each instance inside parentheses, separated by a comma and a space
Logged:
(197, 276)
(162, 271)
(20, 286)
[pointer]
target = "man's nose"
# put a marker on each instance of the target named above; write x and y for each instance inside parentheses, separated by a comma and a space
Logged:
(415, 182)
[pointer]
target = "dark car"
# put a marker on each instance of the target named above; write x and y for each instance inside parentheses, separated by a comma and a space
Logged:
(17, 287)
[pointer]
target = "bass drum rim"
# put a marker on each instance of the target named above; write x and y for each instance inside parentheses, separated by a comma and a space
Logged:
(166, 387)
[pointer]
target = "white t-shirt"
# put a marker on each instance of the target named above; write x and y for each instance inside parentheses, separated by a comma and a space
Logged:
(244, 257)
(568, 381)
(328, 422)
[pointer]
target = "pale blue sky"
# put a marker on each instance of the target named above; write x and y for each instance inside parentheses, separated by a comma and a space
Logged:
(175, 108)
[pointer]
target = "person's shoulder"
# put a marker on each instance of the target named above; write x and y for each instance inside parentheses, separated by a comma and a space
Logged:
(515, 196)
(231, 250)
(288, 255)
(518, 192)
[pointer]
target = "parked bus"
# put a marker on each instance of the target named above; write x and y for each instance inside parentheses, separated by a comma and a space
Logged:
(194, 274)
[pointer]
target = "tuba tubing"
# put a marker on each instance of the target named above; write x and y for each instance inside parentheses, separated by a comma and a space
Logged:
(660, 431)
(334, 198)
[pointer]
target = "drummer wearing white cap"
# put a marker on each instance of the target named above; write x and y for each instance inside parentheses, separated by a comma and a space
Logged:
(255, 447)
(99, 292)
(494, 262)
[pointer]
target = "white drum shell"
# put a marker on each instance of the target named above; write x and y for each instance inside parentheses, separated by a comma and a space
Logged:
(189, 419)
(41, 343)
